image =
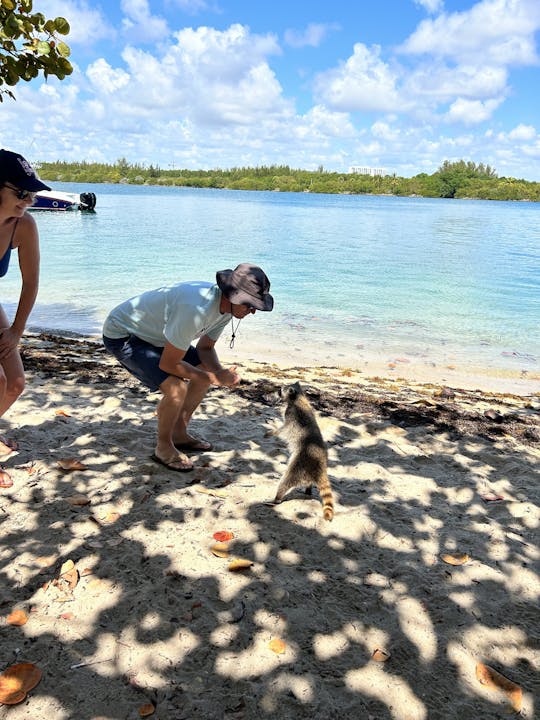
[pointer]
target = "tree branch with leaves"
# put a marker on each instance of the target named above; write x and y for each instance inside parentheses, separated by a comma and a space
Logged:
(30, 45)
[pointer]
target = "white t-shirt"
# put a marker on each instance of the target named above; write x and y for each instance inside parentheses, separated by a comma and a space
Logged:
(177, 314)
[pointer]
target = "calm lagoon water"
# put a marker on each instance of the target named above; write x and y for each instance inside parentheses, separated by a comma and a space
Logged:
(352, 276)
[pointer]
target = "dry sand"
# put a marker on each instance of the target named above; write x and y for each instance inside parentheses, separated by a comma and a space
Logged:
(152, 618)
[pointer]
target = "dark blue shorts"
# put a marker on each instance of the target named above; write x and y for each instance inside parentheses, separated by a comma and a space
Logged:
(142, 359)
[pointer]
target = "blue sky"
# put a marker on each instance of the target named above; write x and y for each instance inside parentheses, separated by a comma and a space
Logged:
(397, 84)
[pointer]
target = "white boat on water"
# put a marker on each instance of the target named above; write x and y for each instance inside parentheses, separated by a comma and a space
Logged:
(58, 200)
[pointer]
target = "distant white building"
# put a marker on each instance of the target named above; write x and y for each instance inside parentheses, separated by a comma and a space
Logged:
(359, 170)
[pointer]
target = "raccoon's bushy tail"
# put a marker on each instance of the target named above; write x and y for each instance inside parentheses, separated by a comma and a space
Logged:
(325, 491)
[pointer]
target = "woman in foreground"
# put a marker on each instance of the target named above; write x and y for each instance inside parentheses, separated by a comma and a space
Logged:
(18, 231)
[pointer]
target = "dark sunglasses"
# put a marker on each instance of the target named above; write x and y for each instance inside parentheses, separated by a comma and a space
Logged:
(21, 194)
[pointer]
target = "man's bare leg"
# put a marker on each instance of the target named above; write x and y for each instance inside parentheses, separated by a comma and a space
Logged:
(169, 410)
(196, 390)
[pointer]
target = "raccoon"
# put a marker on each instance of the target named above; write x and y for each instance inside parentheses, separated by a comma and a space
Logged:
(307, 465)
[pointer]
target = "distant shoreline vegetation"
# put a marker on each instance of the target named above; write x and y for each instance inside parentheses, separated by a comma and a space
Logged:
(460, 179)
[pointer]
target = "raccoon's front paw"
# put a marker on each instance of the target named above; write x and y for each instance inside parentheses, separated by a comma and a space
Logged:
(272, 428)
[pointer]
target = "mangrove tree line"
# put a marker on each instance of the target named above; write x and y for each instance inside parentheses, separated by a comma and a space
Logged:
(462, 179)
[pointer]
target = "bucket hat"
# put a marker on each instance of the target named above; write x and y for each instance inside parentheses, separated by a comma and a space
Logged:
(248, 285)
(18, 171)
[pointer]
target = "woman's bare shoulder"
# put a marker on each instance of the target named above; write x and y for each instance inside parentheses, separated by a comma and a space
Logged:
(26, 229)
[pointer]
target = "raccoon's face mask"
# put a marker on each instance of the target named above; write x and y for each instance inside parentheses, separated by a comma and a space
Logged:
(290, 392)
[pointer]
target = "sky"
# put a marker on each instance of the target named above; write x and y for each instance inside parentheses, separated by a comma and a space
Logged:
(401, 85)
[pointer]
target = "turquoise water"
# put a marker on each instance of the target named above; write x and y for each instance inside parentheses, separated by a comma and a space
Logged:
(350, 274)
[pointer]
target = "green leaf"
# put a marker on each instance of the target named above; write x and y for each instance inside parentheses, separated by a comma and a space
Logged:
(63, 49)
(10, 31)
(12, 24)
(64, 66)
(61, 25)
(13, 76)
(44, 48)
(37, 20)
(29, 44)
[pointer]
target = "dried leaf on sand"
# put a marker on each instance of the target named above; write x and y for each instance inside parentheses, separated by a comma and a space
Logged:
(494, 680)
(146, 710)
(455, 558)
(220, 549)
(17, 617)
(78, 500)
(69, 573)
(277, 646)
(65, 582)
(239, 564)
(69, 464)
(16, 681)
(223, 535)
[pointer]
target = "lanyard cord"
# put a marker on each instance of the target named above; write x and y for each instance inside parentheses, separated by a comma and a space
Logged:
(234, 330)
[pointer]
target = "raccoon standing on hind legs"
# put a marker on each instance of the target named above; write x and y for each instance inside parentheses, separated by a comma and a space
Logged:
(307, 465)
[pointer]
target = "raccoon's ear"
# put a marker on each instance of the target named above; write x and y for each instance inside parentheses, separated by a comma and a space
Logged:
(296, 389)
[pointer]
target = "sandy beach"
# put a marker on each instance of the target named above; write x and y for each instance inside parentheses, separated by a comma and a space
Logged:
(428, 572)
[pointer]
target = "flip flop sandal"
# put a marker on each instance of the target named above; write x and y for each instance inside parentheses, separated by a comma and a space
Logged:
(170, 465)
(195, 445)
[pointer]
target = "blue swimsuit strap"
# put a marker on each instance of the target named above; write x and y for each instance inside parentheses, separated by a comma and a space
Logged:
(4, 262)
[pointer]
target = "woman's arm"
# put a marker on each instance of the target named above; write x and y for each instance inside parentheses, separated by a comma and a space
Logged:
(26, 241)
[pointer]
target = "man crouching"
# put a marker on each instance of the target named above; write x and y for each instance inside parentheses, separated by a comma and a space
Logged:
(151, 335)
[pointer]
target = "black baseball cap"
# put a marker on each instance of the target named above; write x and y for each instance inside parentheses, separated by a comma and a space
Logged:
(16, 170)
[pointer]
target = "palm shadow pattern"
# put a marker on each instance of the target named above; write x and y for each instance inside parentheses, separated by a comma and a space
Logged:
(156, 618)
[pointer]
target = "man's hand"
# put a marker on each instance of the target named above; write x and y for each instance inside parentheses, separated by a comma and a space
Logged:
(227, 377)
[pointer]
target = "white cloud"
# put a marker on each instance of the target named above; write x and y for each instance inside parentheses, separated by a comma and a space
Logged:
(105, 79)
(225, 75)
(87, 24)
(192, 6)
(363, 83)
(320, 122)
(522, 132)
(140, 25)
(218, 51)
(431, 6)
(385, 131)
(371, 150)
(492, 31)
(471, 112)
(311, 36)
(443, 83)
(532, 150)
(210, 78)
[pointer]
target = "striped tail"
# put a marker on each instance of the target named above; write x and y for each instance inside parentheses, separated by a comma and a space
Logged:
(325, 491)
